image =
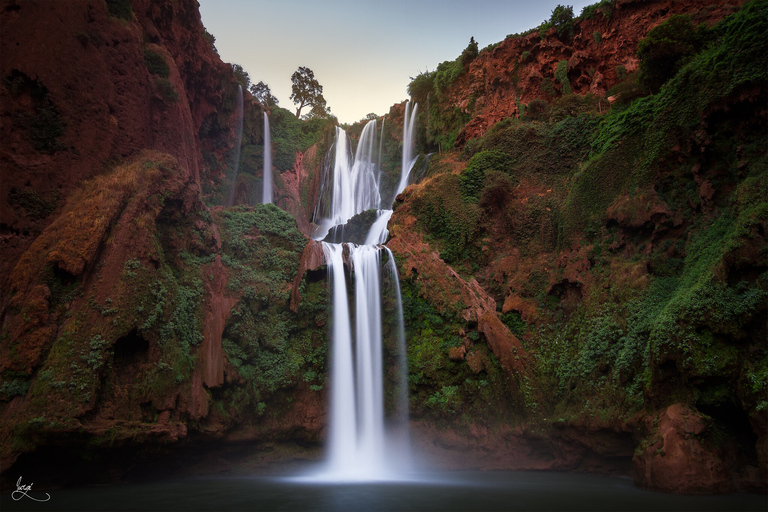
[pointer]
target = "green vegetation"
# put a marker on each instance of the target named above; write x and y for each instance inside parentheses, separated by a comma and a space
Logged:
(307, 91)
(470, 52)
(562, 20)
(156, 63)
(671, 302)
(120, 9)
(290, 135)
(270, 347)
(604, 7)
(441, 389)
(472, 178)
(166, 90)
(667, 48)
(561, 73)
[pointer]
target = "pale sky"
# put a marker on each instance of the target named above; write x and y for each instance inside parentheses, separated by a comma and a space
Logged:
(363, 53)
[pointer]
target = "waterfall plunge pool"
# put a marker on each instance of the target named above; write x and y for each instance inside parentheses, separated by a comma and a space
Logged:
(429, 491)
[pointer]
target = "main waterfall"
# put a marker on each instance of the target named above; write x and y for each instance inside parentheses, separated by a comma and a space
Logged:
(362, 444)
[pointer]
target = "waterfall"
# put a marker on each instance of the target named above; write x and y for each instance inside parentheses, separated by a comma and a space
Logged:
(362, 444)
(409, 132)
(355, 183)
(236, 157)
(266, 196)
(381, 148)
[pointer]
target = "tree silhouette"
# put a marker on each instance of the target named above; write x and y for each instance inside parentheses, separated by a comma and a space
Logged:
(263, 94)
(306, 90)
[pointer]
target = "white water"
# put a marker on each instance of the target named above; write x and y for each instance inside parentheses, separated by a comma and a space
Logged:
(409, 141)
(362, 444)
(266, 195)
(239, 135)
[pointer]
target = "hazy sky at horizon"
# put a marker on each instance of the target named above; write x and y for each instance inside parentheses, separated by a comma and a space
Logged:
(362, 53)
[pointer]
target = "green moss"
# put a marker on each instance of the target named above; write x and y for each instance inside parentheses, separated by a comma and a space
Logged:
(167, 90)
(446, 74)
(156, 63)
(561, 73)
(473, 176)
(290, 135)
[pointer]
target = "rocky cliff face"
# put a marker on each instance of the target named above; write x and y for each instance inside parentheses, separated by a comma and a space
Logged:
(601, 53)
(132, 310)
(588, 244)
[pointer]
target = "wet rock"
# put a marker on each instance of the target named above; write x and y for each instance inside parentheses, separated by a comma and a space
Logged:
(676, 459)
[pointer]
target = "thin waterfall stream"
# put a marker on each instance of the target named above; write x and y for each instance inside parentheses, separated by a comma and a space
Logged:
(266, 194)
(363, 444)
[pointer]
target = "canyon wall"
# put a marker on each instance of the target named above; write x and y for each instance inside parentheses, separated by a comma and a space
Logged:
(583, 272)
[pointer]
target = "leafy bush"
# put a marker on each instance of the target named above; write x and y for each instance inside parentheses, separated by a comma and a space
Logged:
(562, 19)
(473, 176)
(447, 216)
(167, 90)
(290, 135)
(570, 105)
(156, 63)
(537, 109)
(561, 73)
(604, 7)
(12, 388)
(667, 48)
(470, 52)
(496, 191)
(420, 86)
(447, 72)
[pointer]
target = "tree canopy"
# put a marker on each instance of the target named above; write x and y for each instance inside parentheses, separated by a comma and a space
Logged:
(307, 91)
(263, 94)
(241, 76)
(562, 19)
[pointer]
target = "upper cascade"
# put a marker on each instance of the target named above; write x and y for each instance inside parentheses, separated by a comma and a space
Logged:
(355, 181)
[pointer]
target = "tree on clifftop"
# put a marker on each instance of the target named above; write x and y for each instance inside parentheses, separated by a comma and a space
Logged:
(263, 94)
(306, 90)
(562, 19)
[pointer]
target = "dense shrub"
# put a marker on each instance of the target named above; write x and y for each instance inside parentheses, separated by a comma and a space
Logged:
(473, 177)
(156, 63)
(561, 73)
(420, 86)
(667, 48)
(562, 19)
(496, 191)
(445, 215)
(537, 109)
(447, 72)
(469, 53)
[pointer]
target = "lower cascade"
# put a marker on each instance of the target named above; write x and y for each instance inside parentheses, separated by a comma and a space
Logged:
(368, 422)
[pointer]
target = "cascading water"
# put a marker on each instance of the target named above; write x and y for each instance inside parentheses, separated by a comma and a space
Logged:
(236, 156)
(409, 141)
(266, 196)
(361, 444)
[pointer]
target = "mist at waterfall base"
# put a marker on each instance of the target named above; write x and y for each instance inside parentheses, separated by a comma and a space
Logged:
(437, 491)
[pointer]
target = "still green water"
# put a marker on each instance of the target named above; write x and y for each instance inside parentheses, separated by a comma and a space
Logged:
(434, 491)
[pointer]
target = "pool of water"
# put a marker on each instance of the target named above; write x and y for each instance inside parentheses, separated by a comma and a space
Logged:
(429, 491)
